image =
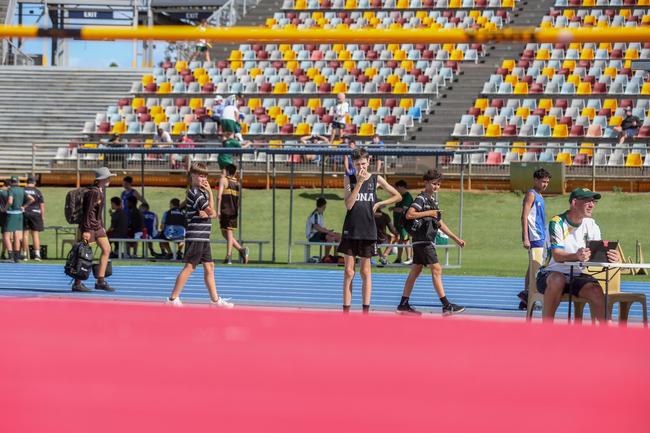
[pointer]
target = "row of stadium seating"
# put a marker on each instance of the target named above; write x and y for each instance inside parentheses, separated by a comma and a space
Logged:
(601, 20)
(602, 3)
(394, 4)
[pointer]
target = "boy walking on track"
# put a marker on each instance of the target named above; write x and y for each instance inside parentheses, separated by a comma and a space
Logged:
(359, 237)
(92, 227)
(425, 214)
(199, 209)
(533, 228)
(228, 212)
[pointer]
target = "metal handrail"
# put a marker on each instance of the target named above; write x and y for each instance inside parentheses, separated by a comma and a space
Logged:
(7, 43)
(228, 14)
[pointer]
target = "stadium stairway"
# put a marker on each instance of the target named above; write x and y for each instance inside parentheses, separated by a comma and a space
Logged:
(455, 100)
(3, 15)
(256, 16)
(48, 107)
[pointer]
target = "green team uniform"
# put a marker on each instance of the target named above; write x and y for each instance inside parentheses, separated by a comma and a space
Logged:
(226, 158)
(405, 203)
(14, 222)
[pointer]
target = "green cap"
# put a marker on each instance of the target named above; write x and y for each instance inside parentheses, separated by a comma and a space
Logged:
(583, 193)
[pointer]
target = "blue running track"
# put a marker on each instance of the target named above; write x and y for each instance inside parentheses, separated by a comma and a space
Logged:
(281, 287)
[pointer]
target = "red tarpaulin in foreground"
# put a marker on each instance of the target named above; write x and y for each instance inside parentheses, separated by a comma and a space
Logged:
(75, 366)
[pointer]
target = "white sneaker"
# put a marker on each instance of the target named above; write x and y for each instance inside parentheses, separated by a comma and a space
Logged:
(221, 302)
(408, 262)
(174, 303)
(37, 258)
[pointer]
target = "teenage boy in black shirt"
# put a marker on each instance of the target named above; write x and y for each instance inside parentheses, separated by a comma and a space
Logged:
(426, 212)
(359, 236)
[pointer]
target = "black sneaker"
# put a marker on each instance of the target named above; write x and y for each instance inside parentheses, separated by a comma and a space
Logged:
(523, 295)
(227, 260)
(243, 255)
(80, 287)
(406, 309)
(104, 286)
(523, 305)
(452, 309)
(179, 255)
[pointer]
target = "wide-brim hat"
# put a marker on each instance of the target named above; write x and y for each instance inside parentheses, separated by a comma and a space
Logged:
(103, 173)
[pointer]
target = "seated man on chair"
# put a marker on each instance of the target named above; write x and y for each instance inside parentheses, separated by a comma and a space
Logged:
(569, 233)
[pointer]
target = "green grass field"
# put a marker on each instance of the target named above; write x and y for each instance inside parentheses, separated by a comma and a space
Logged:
(491, 224)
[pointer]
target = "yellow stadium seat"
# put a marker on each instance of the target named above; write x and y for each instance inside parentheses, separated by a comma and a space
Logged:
(300, 4)
(292, 65)
(351, 4)
(147, 79)
(584, 89)
(312, 72)
(270, 22)
(338, 48)
(483, 120)
(454, 3)
(368, 15)
(400, 88)
(615, 121)
(235, 55)
(645, 19)
(589, 20)
(274, 111)
(280, 88)
(203, 80)
(519, 147)
(611, 71)
(374, 103)
(179, 128)
(587, 149)
(303, 129)
(159, 118)
(340, 87)
(407, 65)
(587, 54)
(137, 103)
(560, 131)
(631, 54)
(393, 47)
(550, 121)
(543, 54)
(244, 127)
(118, 128)
(569, 64)
(575, 79)
(423, 14)
(633, 160)
(254, 72)
(402, 4)
(399, 55)
(523, 112)
(611, 104)
(344, 55)
(180, 65)
(588, 3)
(254, 103)
(625, 12)
(313, 103)
(283, 48)
(548, 71)
(457, 55)
(370, 72)
(645, 90)
(575, 46)
(493, 130)
(236, 64)
(450, 145)
(156, 109)
(545, 104)
(475, 14)
(197, 72)
(89, 146)
(317, 15)
(564, 157)
(289, 55)
(481, 103)
(512, 79)
(367, 129)
(349, 65)
(318, 79)
(589, 112)
(546, 25)
(392, 79)
(521, 89)
(281, 119)
(406, 103)
(196, 103)
(508, 3)
(569, 13)
(508, 64)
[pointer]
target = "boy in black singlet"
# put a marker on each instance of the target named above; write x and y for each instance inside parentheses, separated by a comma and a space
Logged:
(359, 236)
(228, 212)
(425, 213)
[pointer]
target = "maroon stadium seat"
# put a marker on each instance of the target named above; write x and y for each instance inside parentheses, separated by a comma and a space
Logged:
(577, 131)
(385, 88)
(644, 131)
(180, 102)
(599, 88)
(390, 103)
(104, 127)
(298, 102)
(150, 87)
(287, 128)
(208, 88)
(581, 159)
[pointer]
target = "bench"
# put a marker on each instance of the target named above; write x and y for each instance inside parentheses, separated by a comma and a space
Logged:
(63, 230)
(307, 245)
(121, 244)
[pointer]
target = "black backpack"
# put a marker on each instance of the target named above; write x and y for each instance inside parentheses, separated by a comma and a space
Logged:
(80, 261)
(3, 203)
(74, 205)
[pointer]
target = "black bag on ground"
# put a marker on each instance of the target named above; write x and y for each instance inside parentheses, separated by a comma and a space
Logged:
(79, 262)
(108, 273)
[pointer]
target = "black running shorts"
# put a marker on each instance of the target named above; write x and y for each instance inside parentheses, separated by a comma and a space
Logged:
(33, 221)
(577, 283)
(358, 248)
(198, 252)
(425, 254)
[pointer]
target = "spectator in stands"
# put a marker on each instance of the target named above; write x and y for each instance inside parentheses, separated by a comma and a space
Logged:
(383, 223)
(172, 228)
(217, 111)
(228, 212)
(568, 236)
(92, 227)
(136, 225)
(399, 218)
(359, 237)
(202, 48)
(119, 228)
(533, 227)
(424, 213)
(33, 219)
(348, 166)
(340, 113)
(129, 191)
(17, 201)
(186, 143)
(314, 140)
(377, 143)
(316, 230)
(230, 118)
(3, 214)
(163, 138)
(629, 126)
(150, 229)
(226, 159)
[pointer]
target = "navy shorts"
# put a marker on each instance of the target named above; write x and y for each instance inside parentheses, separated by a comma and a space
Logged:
(577, 283)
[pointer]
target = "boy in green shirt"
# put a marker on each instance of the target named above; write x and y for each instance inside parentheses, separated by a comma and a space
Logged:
(13, 227)
(225, 159)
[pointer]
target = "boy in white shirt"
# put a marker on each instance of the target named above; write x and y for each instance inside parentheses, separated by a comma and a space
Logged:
(340, 112)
